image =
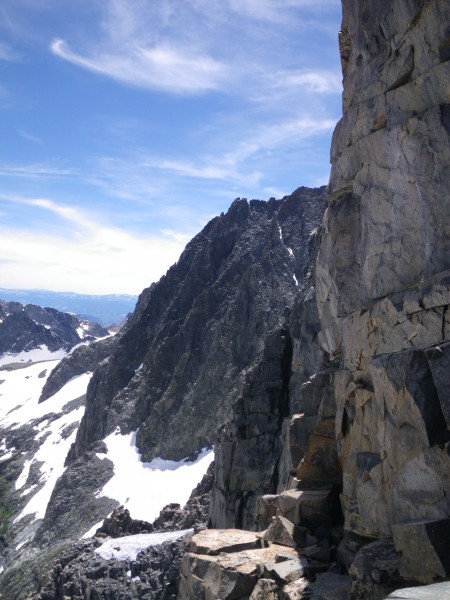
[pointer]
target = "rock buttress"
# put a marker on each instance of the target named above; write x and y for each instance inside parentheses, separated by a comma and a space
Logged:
(383, 275)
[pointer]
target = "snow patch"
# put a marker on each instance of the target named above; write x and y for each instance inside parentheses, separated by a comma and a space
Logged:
(280, 233)
(22, 479)
(145, 488)
(21, 391)
(52, 454)
(4, 453)
(94, 528)
(19, 405)
(31, 356)
(128, 547)
(295, 280)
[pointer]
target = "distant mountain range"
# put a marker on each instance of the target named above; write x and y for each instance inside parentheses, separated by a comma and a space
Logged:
(103, 309)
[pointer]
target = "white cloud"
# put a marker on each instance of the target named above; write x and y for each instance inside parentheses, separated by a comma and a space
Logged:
(160, 67)
(94, 258)
(195, 47)
(315, 82)
(233, 166)
(34, 170)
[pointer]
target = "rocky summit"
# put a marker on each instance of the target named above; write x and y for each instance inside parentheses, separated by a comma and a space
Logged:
(310, 347)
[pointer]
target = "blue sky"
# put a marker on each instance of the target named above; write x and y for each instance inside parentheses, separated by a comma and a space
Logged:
(128, 124)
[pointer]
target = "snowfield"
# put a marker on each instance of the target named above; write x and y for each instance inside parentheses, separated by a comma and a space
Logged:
(31, 356)
(143, 488)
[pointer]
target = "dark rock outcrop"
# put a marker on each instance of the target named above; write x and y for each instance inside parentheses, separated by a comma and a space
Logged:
(120, 524)
(194, 514)
(83, 574)
(82, 360)
(26, 327)
(182, 357)
(249, 447)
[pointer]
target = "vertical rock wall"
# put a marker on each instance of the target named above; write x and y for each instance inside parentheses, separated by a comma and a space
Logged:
(383, 275)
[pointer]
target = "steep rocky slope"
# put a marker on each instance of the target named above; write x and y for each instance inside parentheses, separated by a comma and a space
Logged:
(335, 412)
(181, 361)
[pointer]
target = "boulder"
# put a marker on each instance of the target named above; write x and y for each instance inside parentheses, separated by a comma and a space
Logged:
(214, 541)
(229, 576)
(436, 591)
(310, 508)
(283, 532)
(424, 547)
(374, 570)
(329, 586)
(266, 509)
(294, 590)
(289, 570)
(265, 589)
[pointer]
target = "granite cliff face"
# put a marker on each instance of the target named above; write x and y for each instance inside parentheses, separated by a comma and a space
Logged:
(383, 278)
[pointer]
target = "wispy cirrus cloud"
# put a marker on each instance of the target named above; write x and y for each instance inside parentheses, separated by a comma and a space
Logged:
(26, 135)
(34, 170)
(275, 11)
(160, 67)
(243, 165)
(233, 164)
(195, 48)
(7, 53)
(312, 82)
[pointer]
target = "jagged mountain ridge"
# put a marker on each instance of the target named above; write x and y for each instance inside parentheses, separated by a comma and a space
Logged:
(179, 363)
(27, 327)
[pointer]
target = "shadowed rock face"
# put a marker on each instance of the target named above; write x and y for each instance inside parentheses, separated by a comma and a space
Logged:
(383, 273)
(180, 362)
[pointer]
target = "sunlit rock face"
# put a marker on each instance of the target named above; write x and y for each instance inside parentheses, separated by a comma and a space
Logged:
(383, 272)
